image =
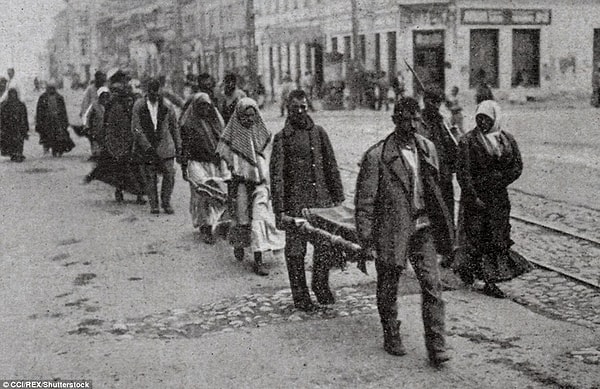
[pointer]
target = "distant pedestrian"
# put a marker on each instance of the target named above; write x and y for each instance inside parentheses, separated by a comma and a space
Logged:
(489, 161)
(232, 94)
(483, 91)
(157, 142)
(246, 146)
(383, 85)
(201, 129)
(52, 122)
(398, 85)
(287, 85)
(89, 97)
(14, 126)
(304, 174)
(110, 121)
(400, 216)
(455, 108)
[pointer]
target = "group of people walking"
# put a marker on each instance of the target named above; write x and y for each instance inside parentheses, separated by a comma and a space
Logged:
(252, 186)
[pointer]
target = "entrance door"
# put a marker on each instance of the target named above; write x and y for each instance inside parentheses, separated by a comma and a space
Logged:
(428, 53)
(596, 55)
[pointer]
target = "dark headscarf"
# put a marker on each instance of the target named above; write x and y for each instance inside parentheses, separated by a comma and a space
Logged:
(207, 124)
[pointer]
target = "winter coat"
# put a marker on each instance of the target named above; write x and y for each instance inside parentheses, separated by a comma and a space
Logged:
(163, 143)
(384, 211)
(304, 175)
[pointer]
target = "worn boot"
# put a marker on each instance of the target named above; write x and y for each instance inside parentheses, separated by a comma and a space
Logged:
(297, 276)
(392, 343)
(258, 265)
(320, 283)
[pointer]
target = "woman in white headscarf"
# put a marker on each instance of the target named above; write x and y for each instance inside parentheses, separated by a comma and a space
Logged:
(246, 146)
(489, 161)
(201, 128)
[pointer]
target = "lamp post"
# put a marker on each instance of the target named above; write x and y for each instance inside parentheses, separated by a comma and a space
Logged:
(251, 43)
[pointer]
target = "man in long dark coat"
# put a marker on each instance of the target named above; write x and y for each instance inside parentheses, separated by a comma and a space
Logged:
(304, 174)
(446, 146)
(400, 215)
(14, 126)
(52, 122)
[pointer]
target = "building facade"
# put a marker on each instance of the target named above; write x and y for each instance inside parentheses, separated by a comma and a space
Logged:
(546, 46)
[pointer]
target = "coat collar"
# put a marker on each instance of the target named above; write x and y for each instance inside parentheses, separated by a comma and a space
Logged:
(288, 129)
(392, 157)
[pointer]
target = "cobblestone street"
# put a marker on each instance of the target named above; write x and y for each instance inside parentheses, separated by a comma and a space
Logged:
(98, 288)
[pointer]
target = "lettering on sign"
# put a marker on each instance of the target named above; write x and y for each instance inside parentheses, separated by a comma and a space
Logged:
(506, 16)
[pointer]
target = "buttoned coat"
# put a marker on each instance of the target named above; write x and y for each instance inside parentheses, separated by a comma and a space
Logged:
(165, 141)
(384, 211)
(304, 178)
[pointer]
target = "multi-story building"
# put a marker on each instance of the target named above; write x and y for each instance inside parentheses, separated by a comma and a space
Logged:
(223, 35)
(71, 48)
(548, 46)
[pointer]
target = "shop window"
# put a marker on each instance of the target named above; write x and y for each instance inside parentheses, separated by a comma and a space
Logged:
(484, 57)
(334, 45)
(363, 48)
(526, 58)
(348, 47)
(391, 43)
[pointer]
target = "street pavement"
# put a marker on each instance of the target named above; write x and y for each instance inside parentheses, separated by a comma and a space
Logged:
(108, 292)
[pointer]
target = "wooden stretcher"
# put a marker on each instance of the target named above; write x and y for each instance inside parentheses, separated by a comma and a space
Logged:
(335, 228)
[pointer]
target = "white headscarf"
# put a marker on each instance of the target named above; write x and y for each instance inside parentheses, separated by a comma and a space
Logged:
(494, 138)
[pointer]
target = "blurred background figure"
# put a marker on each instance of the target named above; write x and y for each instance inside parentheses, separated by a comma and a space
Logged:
(14, 126)
(52, 122)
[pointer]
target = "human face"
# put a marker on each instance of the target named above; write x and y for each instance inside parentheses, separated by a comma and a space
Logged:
(408, 123)
(247, 117)
(153, 95)
(484, 122)
(297, 107)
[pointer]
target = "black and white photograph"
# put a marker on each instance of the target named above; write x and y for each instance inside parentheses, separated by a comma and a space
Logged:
(300, 194)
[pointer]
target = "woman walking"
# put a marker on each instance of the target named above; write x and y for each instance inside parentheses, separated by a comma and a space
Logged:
(201, 128)
(14, 125)
(246, 146)
(489, 161)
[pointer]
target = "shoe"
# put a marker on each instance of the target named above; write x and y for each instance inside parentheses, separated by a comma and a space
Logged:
(438, 358)
(493, 291)
(305, 306)
(155, 211)
(207, 234)
(168, 209)
(392, 343)
(259, 266)
(238, 252)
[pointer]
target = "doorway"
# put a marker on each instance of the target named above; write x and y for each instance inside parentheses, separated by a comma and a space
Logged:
(428, 59)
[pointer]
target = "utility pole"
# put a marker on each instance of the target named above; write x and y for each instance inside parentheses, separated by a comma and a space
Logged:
(355, 66)
(251, 46)
(177, 61)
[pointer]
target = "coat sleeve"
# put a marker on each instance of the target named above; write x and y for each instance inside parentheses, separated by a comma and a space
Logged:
(516, 167)
(138, 133)
(276, 171)
(64, 118)
(175, 133)
(465, 179)
(332, 173)
(367, 187)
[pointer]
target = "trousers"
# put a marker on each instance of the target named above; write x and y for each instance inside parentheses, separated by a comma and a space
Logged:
(422, 256)
(295, 251)
(150, 173)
